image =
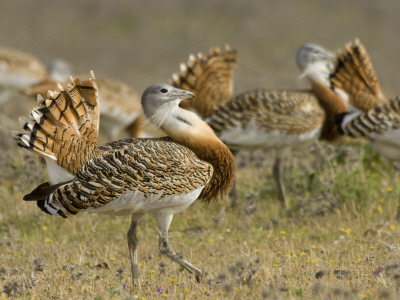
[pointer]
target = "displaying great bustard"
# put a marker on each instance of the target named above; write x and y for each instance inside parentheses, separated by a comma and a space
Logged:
(273, 119)
(159, 176)
(278, 119)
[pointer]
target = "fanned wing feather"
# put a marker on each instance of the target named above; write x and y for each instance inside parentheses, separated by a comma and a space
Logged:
(209, 77)
(64, 127)
(353, 76)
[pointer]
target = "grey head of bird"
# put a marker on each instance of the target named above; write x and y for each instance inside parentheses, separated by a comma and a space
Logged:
(161, 101)
(312, 53)
(315, 61)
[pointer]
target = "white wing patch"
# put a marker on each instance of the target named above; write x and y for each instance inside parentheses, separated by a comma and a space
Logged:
(56, 173)
(347, 118)
(342, 94)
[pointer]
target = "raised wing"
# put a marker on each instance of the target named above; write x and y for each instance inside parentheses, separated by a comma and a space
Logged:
(209, 77)
(354, 77)
(64, 126)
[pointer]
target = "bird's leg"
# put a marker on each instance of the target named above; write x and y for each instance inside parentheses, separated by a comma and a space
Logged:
(277, 172)
(163, 222)
(398, 213)
(233, 194)
(166, 250)
(132, 244)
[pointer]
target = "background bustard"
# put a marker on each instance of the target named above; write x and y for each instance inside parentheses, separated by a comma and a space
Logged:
(20, 69)
(286, 120)
(275, 119)
(160, 176)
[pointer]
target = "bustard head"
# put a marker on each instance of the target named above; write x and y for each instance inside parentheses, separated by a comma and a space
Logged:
(314, 61)
(161, 101)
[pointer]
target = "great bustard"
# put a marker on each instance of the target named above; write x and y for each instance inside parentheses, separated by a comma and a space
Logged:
(283, 120)
(120, 107)
(159, 176)
(274, 119)
(20, 69)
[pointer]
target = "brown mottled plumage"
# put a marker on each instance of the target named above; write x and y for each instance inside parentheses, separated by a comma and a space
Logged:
(354, 75)
(135, 176)
(98, 184)
(210, 76)
(292, 112)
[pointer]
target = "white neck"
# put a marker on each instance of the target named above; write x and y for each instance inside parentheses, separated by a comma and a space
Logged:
(317, 72)
(175, 120)
(184, 122)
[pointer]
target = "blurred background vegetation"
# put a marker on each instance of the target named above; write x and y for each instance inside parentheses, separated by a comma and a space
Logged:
(142, 42)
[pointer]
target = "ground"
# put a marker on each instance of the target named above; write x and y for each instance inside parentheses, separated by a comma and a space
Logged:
(339, 238)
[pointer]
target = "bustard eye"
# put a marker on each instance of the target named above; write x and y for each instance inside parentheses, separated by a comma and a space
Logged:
(163, 91)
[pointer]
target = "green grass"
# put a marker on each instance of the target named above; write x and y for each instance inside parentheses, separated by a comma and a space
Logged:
(341, 224)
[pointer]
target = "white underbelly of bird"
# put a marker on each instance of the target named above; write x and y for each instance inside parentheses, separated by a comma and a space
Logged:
(135, 203)
(254, 137)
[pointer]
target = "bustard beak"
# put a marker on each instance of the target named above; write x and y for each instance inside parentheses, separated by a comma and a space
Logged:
(183, 94)
(329, 55)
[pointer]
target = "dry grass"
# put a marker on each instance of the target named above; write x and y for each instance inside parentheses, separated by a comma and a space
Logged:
(341, 226)
(339, 240)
